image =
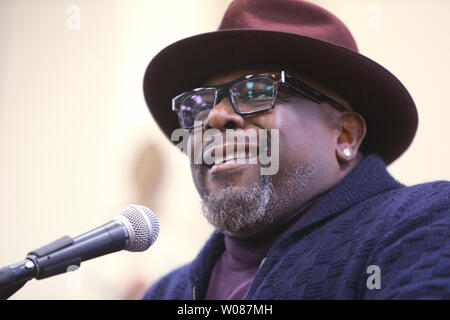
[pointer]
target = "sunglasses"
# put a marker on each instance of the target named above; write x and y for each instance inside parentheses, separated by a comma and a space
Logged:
(248, 95)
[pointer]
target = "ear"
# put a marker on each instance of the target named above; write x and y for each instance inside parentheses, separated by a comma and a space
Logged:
(352, 132)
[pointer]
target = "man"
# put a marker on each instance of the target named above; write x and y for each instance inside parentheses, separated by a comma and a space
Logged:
(330, 223)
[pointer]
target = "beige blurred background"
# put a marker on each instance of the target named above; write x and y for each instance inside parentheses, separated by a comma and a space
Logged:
(78, 144)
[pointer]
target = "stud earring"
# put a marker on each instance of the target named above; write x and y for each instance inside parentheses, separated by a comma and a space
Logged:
(347, 152)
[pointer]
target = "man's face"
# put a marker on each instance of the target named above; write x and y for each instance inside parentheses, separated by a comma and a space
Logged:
(239, 200)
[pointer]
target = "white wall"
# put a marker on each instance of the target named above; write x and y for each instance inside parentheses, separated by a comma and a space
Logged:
(73, 123)
(412, 40)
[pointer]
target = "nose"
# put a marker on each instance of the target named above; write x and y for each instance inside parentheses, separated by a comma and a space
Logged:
(223, 116)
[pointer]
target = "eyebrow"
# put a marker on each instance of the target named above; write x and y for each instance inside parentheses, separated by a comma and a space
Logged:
(247, 72)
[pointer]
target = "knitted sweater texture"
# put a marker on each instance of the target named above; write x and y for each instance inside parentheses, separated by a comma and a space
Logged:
(369, 237)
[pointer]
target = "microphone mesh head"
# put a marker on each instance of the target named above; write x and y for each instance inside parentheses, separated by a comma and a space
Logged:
(144, 227)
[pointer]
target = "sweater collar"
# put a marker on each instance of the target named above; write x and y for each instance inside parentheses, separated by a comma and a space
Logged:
(367, 179)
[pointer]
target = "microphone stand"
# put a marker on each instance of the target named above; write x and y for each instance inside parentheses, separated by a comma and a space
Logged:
(14, 277)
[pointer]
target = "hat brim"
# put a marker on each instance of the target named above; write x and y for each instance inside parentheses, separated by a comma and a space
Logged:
(373, 91)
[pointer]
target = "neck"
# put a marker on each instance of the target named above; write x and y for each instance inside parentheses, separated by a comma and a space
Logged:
(333, 178)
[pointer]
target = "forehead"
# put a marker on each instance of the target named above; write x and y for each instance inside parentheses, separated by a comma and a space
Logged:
(225, 77)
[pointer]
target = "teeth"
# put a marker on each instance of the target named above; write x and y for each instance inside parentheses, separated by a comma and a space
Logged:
(241, 155)
(229, 157)
(221, 159)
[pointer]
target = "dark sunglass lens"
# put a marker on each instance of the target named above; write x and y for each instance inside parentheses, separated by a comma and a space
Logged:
(195, 107)
(253, 94)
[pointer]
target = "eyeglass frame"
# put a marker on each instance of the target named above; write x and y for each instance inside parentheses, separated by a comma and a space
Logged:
(280, 77)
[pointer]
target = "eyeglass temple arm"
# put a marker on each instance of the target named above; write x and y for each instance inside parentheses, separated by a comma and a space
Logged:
(308, 91)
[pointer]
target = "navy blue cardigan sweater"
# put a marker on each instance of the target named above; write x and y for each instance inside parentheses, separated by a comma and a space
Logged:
(367, 219)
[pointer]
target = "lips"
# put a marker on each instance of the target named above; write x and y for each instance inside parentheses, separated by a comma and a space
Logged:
(223, 157)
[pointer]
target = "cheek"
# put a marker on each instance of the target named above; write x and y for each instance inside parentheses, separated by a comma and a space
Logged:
(197, 177)
(302, 132)
(297, 136)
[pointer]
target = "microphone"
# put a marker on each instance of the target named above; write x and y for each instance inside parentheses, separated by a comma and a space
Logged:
(134, 229)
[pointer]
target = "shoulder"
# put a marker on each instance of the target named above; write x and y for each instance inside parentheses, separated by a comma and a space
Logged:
(413, 249)
(414, 210)
(403, 209)
(420, 204)
(173, 286)
(433, 194)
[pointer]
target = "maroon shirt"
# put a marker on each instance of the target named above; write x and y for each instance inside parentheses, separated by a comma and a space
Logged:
(234, 271)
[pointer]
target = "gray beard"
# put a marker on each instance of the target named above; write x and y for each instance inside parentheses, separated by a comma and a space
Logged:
(247, 211)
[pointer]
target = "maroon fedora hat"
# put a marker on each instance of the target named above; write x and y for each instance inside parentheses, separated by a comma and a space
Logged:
(291, 34)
